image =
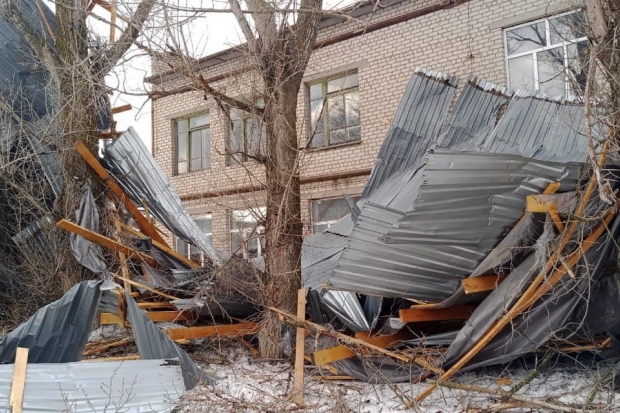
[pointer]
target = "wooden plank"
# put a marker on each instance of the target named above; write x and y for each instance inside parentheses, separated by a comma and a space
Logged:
(106, 242)
(146, 287)
(552, 188)
(162, 247)
(337, 353)
(114, 358)
(252, 349)
(121, 109)
(482, 284)
(157, 305)
(154, 316)
(113, 13)
(540, 286)
(298, 393)
(145, 226)
(107, 346)
(553, 212)
(123, 259)
(417, 315)
(222, 330)
(316, 328)
(18, 383)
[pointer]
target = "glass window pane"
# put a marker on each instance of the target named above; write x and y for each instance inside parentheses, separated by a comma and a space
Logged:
(354, 134)
(200, 120)
(316, 106)
(318, 140)
(181, 126)
(337, 136)
(318, 228)
(182, 167)
(235, 143)
(254, 134)
(196, 164)
(521, 71)
(182, 147)
(195, 151)
(566, 28)
(316, 91)
(205, 223)
(352, 108)
(236, 114)
(329, 209)
(577, 58)
(181, 246)
(252, 247)
(236, 242)
(342, 83)
(551, 72)
(526, 38)
(335, 106)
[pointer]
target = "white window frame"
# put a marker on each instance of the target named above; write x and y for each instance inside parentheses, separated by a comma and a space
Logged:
(256, 232)
(568, 91)
(175, 127)
(188, 252)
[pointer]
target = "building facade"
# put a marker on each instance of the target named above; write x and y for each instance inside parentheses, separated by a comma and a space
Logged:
(351, 88)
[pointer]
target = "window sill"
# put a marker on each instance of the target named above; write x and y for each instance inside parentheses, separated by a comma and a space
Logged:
(192, 172)
(340, 145)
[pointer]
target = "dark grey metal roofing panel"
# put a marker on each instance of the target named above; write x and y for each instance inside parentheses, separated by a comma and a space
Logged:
(475, 113)
(464, 204)
(153, 386)
(58, 332)
(130, 162)
(415, 126)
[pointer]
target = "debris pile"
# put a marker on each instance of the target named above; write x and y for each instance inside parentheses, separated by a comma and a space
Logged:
(482, 235)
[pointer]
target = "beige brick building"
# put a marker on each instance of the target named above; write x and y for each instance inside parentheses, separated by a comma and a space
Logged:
(357, 74)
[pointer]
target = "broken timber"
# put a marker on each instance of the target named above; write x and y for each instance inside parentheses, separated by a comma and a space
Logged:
(106, 242)
(18, 383)
(481, 284)
(319, 329)
(417, 314)
(221, 330)
(145, 226)
(333, 354)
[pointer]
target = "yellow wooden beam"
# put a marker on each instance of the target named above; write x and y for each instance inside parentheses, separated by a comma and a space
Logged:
(482, 284)
(141, 220)
(298, 387)
(18, 383)
(416, 315)
(553, 212)
(222, 330)
(106, 242)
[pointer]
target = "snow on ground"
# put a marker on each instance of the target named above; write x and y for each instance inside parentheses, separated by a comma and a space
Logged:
(250, 385)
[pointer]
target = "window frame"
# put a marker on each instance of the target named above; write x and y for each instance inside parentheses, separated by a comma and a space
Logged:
(257, 232)
(324, 113)
(175, 133)
(329, 223)
(568, 90)
(244, 153)
(188, 252)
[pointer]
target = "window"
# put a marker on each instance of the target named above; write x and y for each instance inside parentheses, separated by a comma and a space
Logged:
(334, 110)
(247, 237)
(193, 150)
(205, 223)
(326, 212)
(547, 54)
(248, 136)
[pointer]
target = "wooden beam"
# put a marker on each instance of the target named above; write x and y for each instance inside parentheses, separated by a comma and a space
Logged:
(222, 330)
(115, 358)
(18, 383)
(113, 13)
(416, 314)
(123, 260)
(145, 226)
(482, 284)
(121, 109)
(146, 287)
(107, 346)
(317, 328)
(162, 247)
(337, 353)
(154, 316)
(553, 212)
(158, 305)
(298, 393)
(106, 242)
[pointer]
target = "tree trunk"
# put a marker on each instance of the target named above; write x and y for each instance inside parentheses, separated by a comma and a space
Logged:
(283, 225)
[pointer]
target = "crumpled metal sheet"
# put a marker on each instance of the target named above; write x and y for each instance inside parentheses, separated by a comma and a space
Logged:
(58, 332)
(153, 386)
(132, 165)
(87, 252)
(415, 126)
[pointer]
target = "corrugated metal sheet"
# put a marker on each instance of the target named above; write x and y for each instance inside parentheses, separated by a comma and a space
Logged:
(415, 126)
(130, 162)
(463, 205)
(128, 386)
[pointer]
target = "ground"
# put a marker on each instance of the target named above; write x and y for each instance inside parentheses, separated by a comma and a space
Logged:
(251, 385)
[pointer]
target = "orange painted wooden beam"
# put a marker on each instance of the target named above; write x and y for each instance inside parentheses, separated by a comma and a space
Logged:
(482, 284)
(416, 315)
(222, 330)
(332, 354)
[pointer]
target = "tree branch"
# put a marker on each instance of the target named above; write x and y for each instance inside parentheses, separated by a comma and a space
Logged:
(129, 37)
(243, 22)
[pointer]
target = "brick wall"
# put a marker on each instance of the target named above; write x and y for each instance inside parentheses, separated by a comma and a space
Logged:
(463, 40)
